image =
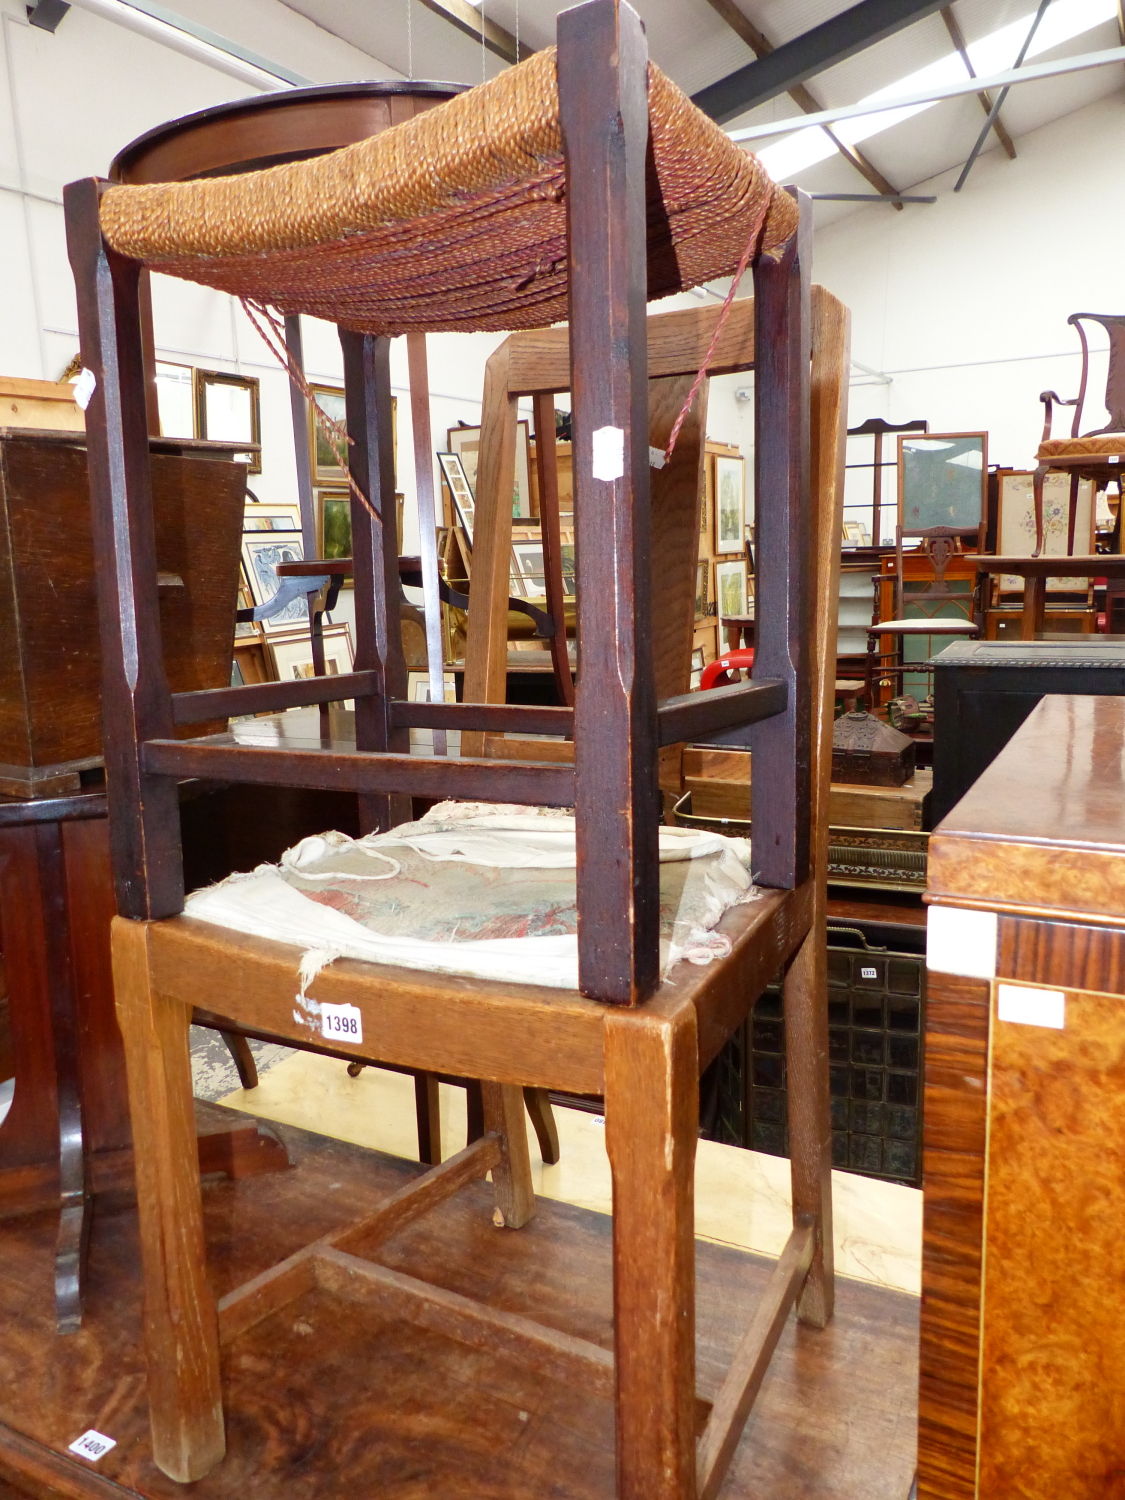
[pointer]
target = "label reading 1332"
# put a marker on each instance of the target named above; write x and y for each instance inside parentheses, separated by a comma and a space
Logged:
(341, 1023)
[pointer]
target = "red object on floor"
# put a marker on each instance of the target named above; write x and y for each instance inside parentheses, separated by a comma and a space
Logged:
(722, 671)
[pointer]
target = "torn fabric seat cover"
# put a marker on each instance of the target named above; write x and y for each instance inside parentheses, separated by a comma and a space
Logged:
(485, 890)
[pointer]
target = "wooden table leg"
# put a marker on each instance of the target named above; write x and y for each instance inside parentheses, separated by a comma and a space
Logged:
(74, 1188)
(1034, 607)
(67, 1135)
(652, 1123)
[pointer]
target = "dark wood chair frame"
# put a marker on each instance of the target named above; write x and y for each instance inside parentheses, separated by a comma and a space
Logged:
(1100, 469)
(939, 544)
(639, 1044)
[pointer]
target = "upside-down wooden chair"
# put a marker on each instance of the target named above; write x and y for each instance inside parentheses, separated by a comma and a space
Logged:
(247, 135)
(496, 210)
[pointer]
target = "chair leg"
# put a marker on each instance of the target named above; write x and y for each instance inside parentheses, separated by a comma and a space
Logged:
(239, 1049)
(180, 1326)
(1072, 514)
(428, 1110)
(810, 1120)
(503, 1113)
(652, 1123)
(474, 1112)
(543, 1119)
(1037, 495)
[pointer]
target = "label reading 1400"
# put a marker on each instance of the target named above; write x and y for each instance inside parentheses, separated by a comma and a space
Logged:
(93, 1445)
(341, 1023)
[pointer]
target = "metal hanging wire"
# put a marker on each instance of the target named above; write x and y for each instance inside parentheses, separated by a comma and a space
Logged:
(410, 39)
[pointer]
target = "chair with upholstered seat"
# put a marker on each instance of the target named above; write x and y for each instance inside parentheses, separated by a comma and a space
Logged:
(1098, 454)
(512, 206)
(937, 610)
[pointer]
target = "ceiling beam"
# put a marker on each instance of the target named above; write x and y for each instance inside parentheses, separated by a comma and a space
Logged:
(467, 19)
(761, 46)
(957, 37)
(808, 54)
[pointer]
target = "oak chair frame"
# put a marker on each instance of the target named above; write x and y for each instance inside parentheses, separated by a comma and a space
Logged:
(644, 1050)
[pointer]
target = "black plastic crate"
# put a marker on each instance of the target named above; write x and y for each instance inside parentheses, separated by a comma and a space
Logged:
(876, 1023)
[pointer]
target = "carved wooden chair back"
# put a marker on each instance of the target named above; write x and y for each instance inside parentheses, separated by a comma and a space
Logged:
(1099, 453)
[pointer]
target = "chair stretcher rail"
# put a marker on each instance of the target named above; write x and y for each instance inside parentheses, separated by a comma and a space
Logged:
(362, 771)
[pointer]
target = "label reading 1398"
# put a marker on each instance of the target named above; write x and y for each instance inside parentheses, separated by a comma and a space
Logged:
(341, 1023)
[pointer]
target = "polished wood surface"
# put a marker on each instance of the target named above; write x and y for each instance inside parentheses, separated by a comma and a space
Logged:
(50, 675)
(1022, 1293)
(331, 1397)
(290, 125)
(956, 1122)
(1053, 1351)
(1043, 829)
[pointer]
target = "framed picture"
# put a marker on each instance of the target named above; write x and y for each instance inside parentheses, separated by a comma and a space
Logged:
(465, 443)
(942, 480)
(245, 630)
(730, 588)
(1016, 525)
(464, 504)
(293, 660)
(261, 556)
(702, 586)
(259, 517)
(855, 534)
(529, 568)
(334, 523)
(418, 691)
(175, 399)
(730, 503)
(697, 665)
(228, 408)
(326, 466)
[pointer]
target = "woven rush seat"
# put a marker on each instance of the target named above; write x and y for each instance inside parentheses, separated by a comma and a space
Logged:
(1083, 447)
(453, 221)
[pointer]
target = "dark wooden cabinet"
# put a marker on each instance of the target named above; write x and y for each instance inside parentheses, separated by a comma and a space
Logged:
(984, 690)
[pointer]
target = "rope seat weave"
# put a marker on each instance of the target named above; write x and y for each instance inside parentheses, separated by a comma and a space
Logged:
(453, 221)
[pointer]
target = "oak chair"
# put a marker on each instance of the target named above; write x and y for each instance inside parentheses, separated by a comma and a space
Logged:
(559, 227)
(1098, 454)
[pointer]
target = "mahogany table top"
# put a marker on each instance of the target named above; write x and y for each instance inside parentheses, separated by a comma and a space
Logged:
(1043, 829)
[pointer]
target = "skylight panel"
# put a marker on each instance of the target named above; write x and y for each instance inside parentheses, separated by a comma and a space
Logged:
(1064, 20)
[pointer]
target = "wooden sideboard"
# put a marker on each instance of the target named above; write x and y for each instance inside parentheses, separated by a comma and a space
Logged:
(1022, 1383)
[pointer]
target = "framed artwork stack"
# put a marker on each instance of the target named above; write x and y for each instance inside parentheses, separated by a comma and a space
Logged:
(724, 585)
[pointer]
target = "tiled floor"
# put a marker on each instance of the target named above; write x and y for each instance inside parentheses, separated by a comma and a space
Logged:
(742, 1197)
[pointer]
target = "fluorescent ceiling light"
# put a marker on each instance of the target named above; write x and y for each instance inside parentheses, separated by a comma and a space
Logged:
(1064, 20)
(195, 41)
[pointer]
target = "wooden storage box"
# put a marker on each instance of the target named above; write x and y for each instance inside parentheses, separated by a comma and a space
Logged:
(50, 662)
(719, 783)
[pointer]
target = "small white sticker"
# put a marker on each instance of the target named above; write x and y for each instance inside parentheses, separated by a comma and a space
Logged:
(656, 459)
(609, 453)
(341, 1023)
(867, 972)
(961, 942)
(85, 383)
(93, 1445)
(1031, 1007)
